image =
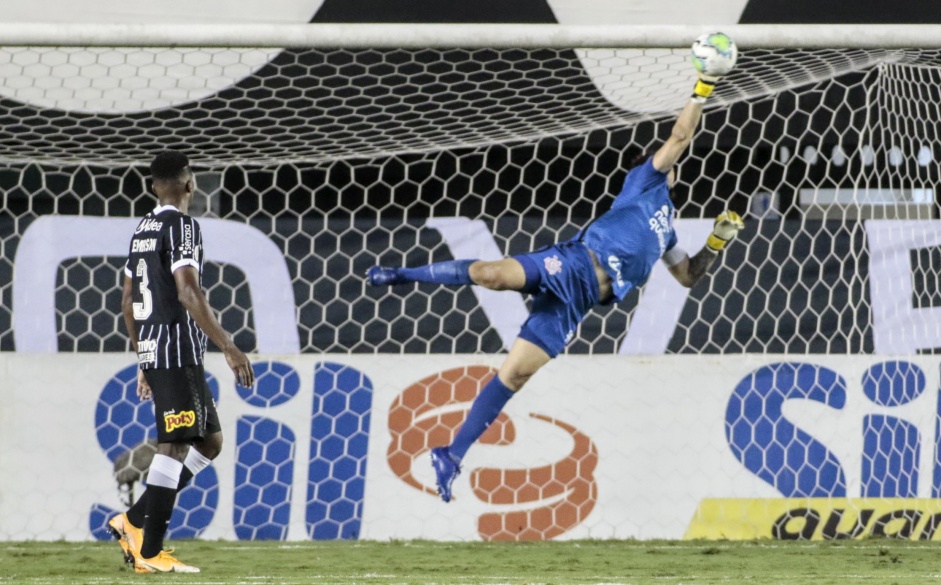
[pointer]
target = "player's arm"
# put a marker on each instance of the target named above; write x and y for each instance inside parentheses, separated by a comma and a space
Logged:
(127, 309)
(685, 126)
(690, 270)
(682, 134)
(193, 299)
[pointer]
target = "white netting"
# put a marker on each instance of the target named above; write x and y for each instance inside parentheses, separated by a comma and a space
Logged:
(342, 158)
(314, 165)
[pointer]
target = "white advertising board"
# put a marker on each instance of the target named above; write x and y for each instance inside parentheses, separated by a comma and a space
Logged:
(595, 447)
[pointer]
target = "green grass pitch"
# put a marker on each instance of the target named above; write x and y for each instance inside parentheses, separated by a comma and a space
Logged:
(883, 562)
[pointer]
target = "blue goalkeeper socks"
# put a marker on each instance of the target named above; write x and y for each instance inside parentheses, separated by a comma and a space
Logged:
(485, 410)
(452, 272)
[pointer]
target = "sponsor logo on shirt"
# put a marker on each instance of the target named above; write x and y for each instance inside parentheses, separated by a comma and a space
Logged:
(148, 245)
(146, 351)
(662, 224)
(187, 418)
(553, 265)
(614, 263)
(187, 239)
(149, 225)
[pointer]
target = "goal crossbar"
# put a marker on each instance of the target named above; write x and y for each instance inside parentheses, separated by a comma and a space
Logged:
(411, 36)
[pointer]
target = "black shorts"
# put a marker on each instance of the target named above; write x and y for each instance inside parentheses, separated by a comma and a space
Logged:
(183, 405)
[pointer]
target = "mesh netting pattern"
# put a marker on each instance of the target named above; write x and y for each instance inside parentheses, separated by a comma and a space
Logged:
(343, 159)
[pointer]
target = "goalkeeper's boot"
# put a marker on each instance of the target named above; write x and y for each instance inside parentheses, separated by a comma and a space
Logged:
(383, 276)
(446, 471)
(164, 562)
(129, 537)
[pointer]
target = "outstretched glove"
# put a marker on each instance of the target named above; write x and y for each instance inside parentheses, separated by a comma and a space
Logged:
(704, 87)
(714, 55)
(724, 230)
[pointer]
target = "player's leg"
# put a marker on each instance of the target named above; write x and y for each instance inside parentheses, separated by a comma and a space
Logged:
(563, 278)
(524, 360)
(128, 527)
(199, 456)
(182, 404)
(163, 478)
(505, 274)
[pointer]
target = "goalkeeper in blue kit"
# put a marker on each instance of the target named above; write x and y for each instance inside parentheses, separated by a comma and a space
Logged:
(614, 254)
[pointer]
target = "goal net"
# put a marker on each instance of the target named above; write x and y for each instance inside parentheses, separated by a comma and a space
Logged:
(346, 157)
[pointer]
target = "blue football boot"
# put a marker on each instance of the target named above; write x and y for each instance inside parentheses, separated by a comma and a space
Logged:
(446, 471)
(382, 276)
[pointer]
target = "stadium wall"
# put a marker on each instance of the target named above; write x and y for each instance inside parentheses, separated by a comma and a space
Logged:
(329, 447)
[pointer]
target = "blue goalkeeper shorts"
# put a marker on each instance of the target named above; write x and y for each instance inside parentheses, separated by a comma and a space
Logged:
(564, 286)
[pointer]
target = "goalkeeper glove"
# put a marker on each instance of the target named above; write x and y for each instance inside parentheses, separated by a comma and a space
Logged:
(724, 230)
(704, 87)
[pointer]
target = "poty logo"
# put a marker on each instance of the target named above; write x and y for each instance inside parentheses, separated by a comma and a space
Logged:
(565, 491)
(149, 225)
(186, 418)
(553, 265)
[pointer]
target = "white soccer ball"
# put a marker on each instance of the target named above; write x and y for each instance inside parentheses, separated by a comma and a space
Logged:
(714, 54)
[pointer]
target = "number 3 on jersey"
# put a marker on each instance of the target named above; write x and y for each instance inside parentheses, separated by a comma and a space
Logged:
(143, 309)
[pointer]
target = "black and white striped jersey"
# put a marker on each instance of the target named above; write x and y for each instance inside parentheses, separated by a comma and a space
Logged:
(167, 337)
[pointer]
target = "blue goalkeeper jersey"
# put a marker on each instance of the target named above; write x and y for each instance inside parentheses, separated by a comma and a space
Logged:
(629, 238)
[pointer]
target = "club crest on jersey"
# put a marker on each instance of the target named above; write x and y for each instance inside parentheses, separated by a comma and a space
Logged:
(149, 225)
(553, 265)
(186, 418)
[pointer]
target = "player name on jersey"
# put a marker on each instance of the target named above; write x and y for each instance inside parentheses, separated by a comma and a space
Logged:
(148, 245)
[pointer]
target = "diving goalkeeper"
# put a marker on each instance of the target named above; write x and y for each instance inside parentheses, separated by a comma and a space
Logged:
(601, 264)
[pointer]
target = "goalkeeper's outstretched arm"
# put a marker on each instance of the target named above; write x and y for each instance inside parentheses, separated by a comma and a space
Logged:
(682, 134)
(685, 126)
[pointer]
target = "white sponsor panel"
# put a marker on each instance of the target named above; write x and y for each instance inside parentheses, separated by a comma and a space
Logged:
(897, 326)
(634, 443)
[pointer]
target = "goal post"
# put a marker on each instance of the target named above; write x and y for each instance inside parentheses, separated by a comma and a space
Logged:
(801, 368)
(493, 36)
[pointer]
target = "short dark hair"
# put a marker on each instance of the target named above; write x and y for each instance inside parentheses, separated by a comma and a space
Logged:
(169, 165)
(639, 159)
